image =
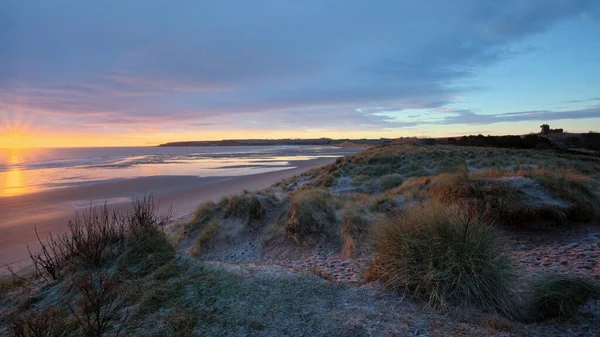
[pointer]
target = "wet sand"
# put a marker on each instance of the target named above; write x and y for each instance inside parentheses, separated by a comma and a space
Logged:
(51, 210)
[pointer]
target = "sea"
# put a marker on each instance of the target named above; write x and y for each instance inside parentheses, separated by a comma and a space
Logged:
(24, 171)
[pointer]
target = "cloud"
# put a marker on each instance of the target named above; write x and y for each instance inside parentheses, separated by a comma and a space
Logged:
(472, 117)
(584, 100)
(234, 63)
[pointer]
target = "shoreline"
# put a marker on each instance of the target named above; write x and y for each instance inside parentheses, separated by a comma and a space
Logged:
(51, 210)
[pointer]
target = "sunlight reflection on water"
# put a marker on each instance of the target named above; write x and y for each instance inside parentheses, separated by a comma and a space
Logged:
(24, 171)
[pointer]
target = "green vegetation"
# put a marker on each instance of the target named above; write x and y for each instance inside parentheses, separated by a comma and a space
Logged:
(559, 296)
(308, 212)
(390, 181)
(246, 206)
(425, 220)
(444, 254)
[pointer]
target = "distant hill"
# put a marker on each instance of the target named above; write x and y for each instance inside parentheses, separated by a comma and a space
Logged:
(271, 142)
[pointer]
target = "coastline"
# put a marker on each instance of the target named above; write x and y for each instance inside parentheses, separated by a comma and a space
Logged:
(51, 210)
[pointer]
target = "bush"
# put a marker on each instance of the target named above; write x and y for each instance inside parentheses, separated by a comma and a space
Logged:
(94, 234)
(34, 323)
(95, 309)
(444, 254)
(389, 181)
(309, 212)
(559, 296)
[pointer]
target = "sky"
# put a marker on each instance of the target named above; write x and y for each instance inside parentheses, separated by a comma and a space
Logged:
(137, 73)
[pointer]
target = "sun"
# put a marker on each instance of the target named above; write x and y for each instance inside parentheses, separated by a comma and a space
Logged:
(12, 140)
(15, 131)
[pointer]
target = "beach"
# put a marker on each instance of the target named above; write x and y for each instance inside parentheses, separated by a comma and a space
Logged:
(50, 209)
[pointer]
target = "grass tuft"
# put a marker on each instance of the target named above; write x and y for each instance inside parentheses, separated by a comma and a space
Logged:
(559, 296)
(246, 206)
(444, 254)
(309, 212)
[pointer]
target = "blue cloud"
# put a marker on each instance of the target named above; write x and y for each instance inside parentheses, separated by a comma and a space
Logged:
(283, 62)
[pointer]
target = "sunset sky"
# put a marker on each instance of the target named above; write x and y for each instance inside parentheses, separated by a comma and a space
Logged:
(117, 73)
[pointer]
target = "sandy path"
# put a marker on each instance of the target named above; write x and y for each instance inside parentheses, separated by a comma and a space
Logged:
(51, 210)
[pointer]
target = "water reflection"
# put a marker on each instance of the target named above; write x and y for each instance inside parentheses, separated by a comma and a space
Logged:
(13, 181)
(24, 171)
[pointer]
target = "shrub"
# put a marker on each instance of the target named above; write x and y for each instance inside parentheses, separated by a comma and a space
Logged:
(95, 309)
(309, 212)
(559, 296)
(34, 323)
(89, 235)
(390, 181)
(49, 260)
(93, 234)
(444, 254)
(145, 216)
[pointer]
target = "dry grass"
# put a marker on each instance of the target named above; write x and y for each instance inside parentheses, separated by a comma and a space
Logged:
(444, 254)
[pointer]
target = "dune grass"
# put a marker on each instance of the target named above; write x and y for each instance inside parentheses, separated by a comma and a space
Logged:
(570, 185)
(203, 215)
(308, 212)
(356, 226)
(207, 233)
(246, 206)
(559, 296)
(445, 255)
